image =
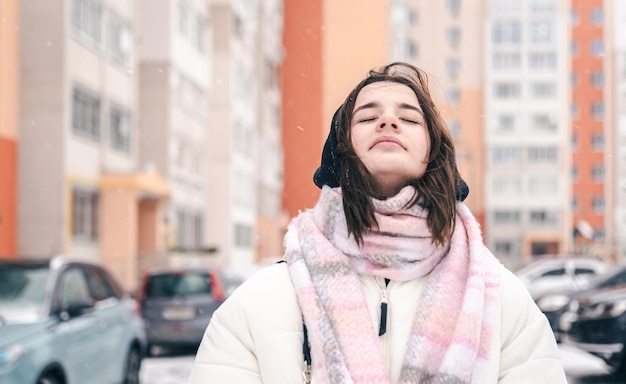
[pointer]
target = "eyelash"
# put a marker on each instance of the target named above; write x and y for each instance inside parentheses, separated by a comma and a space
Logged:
(403, 119)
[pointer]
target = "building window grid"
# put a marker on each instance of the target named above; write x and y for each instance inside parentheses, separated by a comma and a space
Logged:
(120, 40)
(597, 172)
(597, 141)
(87, 19)
(543, 155)
(85, 113)
(120, 129)
(85, 215)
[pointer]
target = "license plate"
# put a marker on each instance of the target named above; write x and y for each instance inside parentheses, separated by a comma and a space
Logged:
(179, 313)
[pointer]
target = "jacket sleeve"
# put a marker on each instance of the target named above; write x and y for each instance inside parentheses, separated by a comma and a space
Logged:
(528, 352)
(226, 353)
(255, 336)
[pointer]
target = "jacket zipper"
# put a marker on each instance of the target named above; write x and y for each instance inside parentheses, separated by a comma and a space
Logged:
(384, 315)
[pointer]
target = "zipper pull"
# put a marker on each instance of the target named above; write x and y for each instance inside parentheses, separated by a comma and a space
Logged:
(382, 329)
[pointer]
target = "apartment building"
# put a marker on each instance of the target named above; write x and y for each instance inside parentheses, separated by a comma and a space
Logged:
(82, 187)
(233, 136)
(9, 93)
(592, 211)
(272, 220)
(616, 118)
(527, 133)
(445, 39)
(174, 83)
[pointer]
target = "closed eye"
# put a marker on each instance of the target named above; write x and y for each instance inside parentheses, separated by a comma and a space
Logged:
(412, 121)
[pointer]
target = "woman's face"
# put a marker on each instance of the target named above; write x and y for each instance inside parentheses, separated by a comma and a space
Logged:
(389, 135)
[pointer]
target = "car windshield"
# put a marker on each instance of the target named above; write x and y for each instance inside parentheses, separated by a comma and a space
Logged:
(178, 284)
(22, 292)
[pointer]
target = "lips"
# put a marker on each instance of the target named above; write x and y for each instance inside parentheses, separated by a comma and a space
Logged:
(387, 139)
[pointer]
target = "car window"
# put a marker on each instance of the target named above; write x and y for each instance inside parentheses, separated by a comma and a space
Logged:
(584, 271)
(73, 287)
(170, 285)
(554, 272)
(22, 292)
(99, 286)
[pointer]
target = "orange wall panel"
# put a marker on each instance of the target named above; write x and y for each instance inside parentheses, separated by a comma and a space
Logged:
(8, 197)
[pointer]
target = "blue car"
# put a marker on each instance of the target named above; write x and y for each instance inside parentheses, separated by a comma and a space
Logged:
(66, 321)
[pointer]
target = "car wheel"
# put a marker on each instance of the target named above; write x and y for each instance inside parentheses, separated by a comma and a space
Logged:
(132, 366)
(49, 378)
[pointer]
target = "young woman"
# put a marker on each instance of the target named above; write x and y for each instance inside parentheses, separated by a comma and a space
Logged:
(386, 279)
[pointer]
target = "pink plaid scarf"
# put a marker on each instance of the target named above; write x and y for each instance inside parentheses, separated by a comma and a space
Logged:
(453, 325)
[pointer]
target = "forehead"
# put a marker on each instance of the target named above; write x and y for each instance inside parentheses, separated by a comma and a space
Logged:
(386, 91)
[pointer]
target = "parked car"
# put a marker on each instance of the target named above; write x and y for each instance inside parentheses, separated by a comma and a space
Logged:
(555, 304)
(65, 321)
(177, 305)
(558, 273)
(596, 323)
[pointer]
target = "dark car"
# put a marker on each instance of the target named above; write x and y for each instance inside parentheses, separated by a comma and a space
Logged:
(553, 305)
(596, 323)
(64, 320)
(177, 305)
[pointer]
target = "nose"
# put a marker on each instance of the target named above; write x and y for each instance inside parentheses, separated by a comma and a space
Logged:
(388, 120)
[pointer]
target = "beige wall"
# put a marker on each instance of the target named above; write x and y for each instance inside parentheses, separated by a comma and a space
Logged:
(9, 63)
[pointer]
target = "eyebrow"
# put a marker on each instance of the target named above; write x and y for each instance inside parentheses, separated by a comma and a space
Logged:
(375, 104)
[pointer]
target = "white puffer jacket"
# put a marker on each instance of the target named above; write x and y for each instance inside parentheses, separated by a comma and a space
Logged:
(256, 335)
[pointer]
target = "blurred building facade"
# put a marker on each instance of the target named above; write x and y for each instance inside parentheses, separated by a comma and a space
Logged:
(148, 132)
(327, 52)
(616, 120)
(9, 94)
(591, 167)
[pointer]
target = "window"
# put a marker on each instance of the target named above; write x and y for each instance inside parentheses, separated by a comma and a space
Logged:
(507, 90)
(120, 41)
(85, 213)
(599, 234)
(453, 96)
(543, 217)
(454, 126)
(100, 287)
(574, 79)
(597, 141)
(453, 66)
(86, 20)
(597, 172)
(506, 185)
(544, 122)
(597, 47)
(453, 6)
(574, 173)
(596, 16)
(597, 110)
(574, 204)
(574, 17)
(120, 129)
(506, 60)
(506, 217)
(543, 90)
(243, 235)
(505, 6)
(506, 155)
(574, 110)
(504, 248)
(73, 288)
(506, 123)
(542, 32)
(574, 48)
(85, 113)
(543, 6)
(542, 60)
(542, 185)
(453, 35)
(542, 155)
(190, 229)
(597, 204)
(506, 32)
(597, 79)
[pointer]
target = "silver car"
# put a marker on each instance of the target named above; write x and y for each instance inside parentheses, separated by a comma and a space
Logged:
(65, 321)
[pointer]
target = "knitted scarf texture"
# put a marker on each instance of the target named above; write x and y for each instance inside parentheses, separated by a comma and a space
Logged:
(454, 321)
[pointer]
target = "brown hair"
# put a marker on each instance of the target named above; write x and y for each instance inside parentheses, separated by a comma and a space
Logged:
(436, 189)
